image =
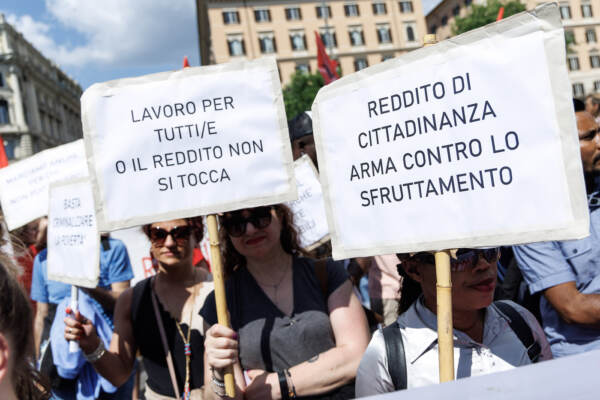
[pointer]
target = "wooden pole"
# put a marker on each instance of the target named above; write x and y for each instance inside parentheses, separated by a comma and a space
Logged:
(444, 315)
(217, 272)
(444, 298)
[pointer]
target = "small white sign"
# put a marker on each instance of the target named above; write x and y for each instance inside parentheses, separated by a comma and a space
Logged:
(24, 185)
(466, 143)
(309, 209)
(73, 238)
(186, 143)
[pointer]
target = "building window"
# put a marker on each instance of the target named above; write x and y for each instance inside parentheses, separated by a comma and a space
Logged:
(351, 10)
(596, 86)
(360, 63)
(323, 11)
(577, 89)
(303, 68)
(386, 57)
(236, 46)
(565, 11)
(444, 20)
(590, 35)
(586, 11)
(379, 9)
(433, 29)
(456, 11)
(4, 112)
(329, 38)
(356, 36)
(383, 34)
(231, 17)
(262, 15)
(298, 41)
(10, 144)
(573, 63)
(570, 36)
(1, 80)
(293, 14)
(406, 7)
(595, 61)
(468, 3)
(267, 43)
(410, 32)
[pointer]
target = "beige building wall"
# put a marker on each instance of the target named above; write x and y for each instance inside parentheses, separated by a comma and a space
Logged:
(581, 21)
(369, 48)
(39, 103)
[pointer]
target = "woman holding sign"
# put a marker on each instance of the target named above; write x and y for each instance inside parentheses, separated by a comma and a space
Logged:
(488, 337)
(299, 328)
(158, 316)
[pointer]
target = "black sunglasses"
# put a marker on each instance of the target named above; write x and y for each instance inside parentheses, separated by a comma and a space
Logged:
(235, 223)
(180, 234)
(465, 258)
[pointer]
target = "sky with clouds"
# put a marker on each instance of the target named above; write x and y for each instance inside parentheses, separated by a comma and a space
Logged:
(99, 40)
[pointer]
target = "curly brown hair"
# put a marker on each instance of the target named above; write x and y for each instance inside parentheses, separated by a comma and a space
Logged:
(289, 240)
(195, 222)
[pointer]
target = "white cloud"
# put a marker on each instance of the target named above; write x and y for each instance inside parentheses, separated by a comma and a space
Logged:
(114, 33)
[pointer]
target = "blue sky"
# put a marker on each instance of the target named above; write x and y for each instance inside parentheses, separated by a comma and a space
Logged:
(99, 40)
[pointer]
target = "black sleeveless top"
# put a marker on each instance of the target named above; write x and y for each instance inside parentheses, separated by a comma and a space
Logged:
(149, 342)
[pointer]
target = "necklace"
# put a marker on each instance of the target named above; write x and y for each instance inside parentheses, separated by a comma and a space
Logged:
(276, 285)
(187, 347)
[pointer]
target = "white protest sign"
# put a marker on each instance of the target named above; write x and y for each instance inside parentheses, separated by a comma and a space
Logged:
(24, 185)
(73, 238)
(309, 209)
(185, 143)
(465, 143)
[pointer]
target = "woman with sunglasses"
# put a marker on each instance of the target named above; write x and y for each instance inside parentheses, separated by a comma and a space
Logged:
(484, 337)
(294, 334)
(158, 316)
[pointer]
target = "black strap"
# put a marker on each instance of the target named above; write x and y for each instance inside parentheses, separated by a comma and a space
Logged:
(321, 273)
(521, 329)
(105, 243)
(394, 348)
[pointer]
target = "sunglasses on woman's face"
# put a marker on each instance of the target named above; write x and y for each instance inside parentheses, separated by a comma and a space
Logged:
(235, 224)
(180, 234)
(465, 258)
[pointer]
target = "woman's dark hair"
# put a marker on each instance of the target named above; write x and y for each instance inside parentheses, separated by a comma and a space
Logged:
(289, 240)
(410, 290)
(16, 320)
(195, 222)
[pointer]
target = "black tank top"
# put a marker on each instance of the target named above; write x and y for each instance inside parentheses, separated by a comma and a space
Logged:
(147, 337)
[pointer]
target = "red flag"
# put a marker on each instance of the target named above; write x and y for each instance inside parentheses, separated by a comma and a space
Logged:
(3, 158)
(327, 66)
(186, 63)
(500, 14)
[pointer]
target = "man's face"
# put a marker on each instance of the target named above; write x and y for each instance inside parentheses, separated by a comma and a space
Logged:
(305, 145)
(592, 108)
(589, 141)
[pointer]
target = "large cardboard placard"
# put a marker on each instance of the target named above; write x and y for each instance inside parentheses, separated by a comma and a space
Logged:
(470, 142)
(309, 208)
(190, 142)
(24, 185)
(73, 238)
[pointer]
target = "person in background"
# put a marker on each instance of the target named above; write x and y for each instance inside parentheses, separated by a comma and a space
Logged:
(484, 341)
(592, 105)
(115, 274)
(29, 240)
(301, 136)
(299, 328)
(567, 273)
(165, 304)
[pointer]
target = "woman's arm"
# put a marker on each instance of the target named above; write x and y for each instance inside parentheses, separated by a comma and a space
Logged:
(116, 364)
(335, 367)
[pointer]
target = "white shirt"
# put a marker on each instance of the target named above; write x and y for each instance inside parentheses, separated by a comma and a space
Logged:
(501, 350)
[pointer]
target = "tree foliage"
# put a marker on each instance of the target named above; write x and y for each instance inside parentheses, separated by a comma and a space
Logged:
(299, 94)
(481, 15)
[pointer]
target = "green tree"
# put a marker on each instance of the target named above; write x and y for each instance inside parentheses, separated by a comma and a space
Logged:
(300, 93)
(481, 15)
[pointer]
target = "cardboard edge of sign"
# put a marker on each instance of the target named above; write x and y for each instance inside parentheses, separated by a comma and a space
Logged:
(544, 18)
(82, 282)
(104, 89)
(16, 221)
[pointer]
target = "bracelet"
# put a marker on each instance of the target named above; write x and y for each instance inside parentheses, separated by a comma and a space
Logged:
(283, 386)
(96, 354)
(218, 386)
(292, 391)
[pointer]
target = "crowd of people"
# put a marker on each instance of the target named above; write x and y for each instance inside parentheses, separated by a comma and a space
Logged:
(302, 325)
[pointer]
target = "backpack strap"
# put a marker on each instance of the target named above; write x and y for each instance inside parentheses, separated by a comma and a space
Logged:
(521, 329)
(321, 273)
(394, 348)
